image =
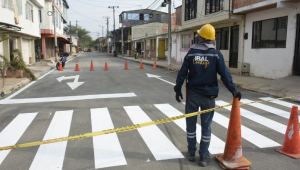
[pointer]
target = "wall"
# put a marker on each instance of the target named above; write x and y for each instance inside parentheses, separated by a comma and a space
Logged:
(1, 48)
(241, 3)
(272, 63)
(140, 31)
(28, 27)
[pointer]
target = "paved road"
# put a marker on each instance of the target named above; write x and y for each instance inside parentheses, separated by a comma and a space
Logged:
(115, 98)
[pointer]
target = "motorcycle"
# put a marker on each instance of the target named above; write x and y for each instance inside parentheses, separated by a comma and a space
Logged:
(63, 59)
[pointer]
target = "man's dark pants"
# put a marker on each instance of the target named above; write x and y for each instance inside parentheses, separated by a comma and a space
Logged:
(194, 101)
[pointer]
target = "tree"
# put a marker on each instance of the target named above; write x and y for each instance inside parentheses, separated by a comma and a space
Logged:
(83, 35)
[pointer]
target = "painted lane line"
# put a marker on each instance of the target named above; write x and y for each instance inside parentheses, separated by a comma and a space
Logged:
(47, 73)
(107, 148)
(216, 145)
(281, 128)
(158, 77)
(269, 109)
(67, 98)
(51, 156)
(13, 132)
(248, 134)
(18, 92)
(160, 146)
(280, 102)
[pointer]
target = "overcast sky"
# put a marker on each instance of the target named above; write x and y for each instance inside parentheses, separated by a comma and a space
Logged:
(90, 13)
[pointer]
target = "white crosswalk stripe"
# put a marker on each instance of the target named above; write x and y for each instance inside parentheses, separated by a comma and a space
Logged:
(51, 156)
(280, 102)
(269, 109)
(216, 144)
(107, 148)
(13, 131)
(257, 118)
(160, 146)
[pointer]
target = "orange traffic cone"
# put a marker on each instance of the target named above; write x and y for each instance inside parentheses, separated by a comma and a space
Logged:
(291, 144)
(60, 67)
(77, 67)
(154, 65)
(106, 67)
(92, 66)
(126, 66)
(141, 65)
(233, 156)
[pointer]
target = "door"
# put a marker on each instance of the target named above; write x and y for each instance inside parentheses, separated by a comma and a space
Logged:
(139, 48)
(161, 49)
(296, 66)
(234, 47)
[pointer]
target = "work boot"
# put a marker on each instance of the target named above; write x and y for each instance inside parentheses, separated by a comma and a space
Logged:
(204, 161)
(191, 156)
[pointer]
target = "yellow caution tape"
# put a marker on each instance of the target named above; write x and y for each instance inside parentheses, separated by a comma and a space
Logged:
(127, 128)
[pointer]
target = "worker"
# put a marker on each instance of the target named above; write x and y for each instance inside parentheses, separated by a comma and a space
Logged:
(200, 66)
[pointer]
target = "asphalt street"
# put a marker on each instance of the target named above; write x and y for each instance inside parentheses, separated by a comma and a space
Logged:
(50, 108)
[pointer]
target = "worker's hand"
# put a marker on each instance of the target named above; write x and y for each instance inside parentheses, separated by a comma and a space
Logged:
(238, 95)
(177, 97)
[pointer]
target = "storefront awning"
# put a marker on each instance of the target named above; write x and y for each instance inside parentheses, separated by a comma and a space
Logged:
(9, 26)
(66, 41)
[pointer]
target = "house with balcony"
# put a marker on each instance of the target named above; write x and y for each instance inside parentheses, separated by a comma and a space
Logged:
(229, 29)
(271, 41)
(46, 21)
(21, 18)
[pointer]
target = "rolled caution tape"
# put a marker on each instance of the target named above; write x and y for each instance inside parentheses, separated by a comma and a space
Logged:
(127, 128)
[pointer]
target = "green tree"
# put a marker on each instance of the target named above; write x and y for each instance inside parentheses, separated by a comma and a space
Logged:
(83, 35)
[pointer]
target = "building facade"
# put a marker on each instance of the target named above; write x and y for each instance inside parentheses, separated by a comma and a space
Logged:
(21, 17)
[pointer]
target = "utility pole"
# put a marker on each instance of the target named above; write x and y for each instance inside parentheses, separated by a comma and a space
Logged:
(99, 41)
(169, 35)
(70, 37)
(102, 37)
(107, 22)
(54, 23)
(113, 7)
(122, 42)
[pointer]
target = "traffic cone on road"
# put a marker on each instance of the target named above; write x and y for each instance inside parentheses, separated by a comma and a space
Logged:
(92, 66)
(141, 65)
(126, 65)
(291, 144)
(233, 156)
(154, 65)
(60, 67)
(77, 67)
(106, 67)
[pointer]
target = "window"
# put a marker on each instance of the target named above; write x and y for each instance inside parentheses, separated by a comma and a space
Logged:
(147, 44)
(146, 17)
(190, 9)
(56, 18)
(185, 41)
(213, 6)
(19, 5)
(10, 5)
(3, 3)
(59, 16)
(152, 44)
(40, 14)
(270, 33)
(222, 37)
(142, 17)
(29, 11)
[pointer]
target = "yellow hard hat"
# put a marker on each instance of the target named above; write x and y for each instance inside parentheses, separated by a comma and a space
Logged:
(208, 32)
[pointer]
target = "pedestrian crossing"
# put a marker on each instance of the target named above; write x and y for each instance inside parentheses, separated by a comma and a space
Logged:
(109, 151)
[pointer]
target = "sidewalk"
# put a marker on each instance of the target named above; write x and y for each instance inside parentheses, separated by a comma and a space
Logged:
(284, 87)
(38, 69)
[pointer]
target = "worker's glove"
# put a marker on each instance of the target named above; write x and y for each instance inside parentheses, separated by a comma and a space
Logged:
(238, 95)
(178, 94)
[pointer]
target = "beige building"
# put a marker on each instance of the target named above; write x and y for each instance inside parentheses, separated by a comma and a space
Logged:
(229, 29)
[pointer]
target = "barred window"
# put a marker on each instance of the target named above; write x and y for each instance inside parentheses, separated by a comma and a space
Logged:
(29, 11)
(190, 9)
(222, 38)
(213, 6)
(185, 41)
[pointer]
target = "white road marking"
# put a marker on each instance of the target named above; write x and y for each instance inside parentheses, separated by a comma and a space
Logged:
(51, 156)
(281, 128)
(13, 132)
(73, 85)
(269, 109)
(18, 92)
(280, 102)
(248, 134)
(47, 74)
(158, 77)
(160, 146)
(107, 148)
(67, 98)
(216, 144)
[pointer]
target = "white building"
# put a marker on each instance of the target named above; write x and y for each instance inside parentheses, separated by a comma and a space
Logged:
(22, 17)
(272, 27)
